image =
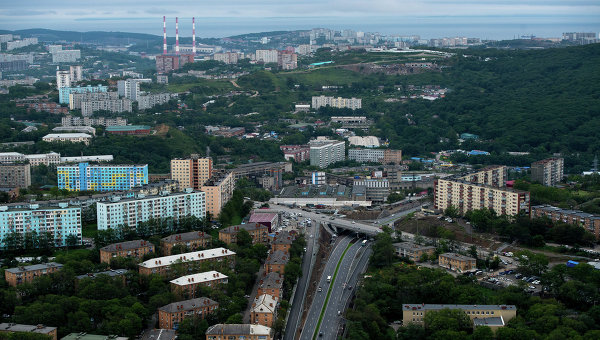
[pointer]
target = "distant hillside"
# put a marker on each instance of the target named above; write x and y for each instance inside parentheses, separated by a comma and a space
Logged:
(87, 37)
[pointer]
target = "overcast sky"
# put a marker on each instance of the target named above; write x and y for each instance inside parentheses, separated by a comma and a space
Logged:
(19, 14)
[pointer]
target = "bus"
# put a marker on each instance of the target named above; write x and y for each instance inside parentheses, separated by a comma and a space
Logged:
(364, 243)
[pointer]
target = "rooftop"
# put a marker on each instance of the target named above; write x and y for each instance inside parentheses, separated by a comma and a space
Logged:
(264, 304)
(127, 245)
(85, 336)
(236, 228)
(67, 135)
(187, 257)
(33, 267)
(111, 273)
(258, 217)
(457, 257)
(238, 329)
(412, 246)
(15, 327)
(159, 334)
(278, 257)
(141, 197)
(192, 235)
(272, 280)
(497, 321)
(188, 305)
(198, 278)
(283, 238)
(127, 128)
(423, 306)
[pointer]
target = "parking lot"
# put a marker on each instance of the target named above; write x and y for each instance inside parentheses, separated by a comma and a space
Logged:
(509, 277)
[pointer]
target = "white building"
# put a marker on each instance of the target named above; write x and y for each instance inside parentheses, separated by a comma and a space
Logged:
(129, 88)
(76, 99)
(81, 159)
(11, 157)
(339, 102)
(118, 105)
(68, 137)
(324, 152)
(130, 212)
(75, 72)
(228, 57)
(367, 155)
(66, 56)
(366, 141)
(43, 158)
(11, 45)
(63, 79)
(266, 56)
(151, 100)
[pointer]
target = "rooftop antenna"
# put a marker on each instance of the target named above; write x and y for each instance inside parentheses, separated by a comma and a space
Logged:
(194, 36)
(164, 35)
(176, 35)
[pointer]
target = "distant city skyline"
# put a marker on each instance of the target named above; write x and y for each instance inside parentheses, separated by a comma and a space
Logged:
(495, 19)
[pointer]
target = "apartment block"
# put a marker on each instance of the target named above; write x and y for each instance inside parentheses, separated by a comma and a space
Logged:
(45, 107)
(68, 137)
(282, 242)
(287, 60)
(276, 262)
(324, 152)
(192, 172)
(264, 310)
(76, 99)
(66, 56)
(187, 286)
(171, 315)
(412, 250)
(265, 174)
(392, 156)
(228, 57)
(590, 222)
(493, 316)
(271, 284)
(151, 100)
(376, 189)
(495, 176)
(457, 262)
(115, 106)
(65, 92)
(367, 155)
(194, 240)
(297, 153)
(38, 329)
(258, 232)
(219, 190)
(132, 211)
(266, 56)
(11, 45)
(162, 265)
(136, 248)
(168, 63)
(339, 102)
(75, 73)
(63, 79)
(15, 175)
(270, 220)
(239, 332)
(26, 274)
(548, 172)
(84, 176)
(58, 222)
(129, 88)
(87, 121)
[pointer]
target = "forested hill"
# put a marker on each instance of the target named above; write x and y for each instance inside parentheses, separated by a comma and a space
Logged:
(542, 100)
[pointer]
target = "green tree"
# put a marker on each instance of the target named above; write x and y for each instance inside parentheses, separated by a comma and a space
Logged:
(447, 319)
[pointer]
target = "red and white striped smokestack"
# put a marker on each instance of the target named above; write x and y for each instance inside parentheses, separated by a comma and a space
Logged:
(164, 35)
(194, 35)
(176, 35)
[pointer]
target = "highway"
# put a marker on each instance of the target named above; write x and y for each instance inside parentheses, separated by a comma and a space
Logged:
(319, 300)
(302, 287)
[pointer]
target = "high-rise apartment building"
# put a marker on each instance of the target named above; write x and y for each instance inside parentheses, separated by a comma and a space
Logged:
(15, 175)
(115, 106)
(167, 63)
(63, 79)
(266, 56)
(131, 211)
(58, 222)
(76, 99)
(64, 92)
(287, 60)
(84, 176)
(66, 56)
(219, 190)
(75, 73)
(151, 100)
(548, 171)
(191, 172)
(128, 88)
(339, 102)
(324, 152)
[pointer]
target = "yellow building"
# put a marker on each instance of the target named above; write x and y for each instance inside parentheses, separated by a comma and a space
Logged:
(412, 250)
(192, 172)
(258, 232)
(219, 189)
(457, 262)
(493, 316)
(239, 332)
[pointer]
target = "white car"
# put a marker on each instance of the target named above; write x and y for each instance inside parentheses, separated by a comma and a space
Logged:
(353, 222)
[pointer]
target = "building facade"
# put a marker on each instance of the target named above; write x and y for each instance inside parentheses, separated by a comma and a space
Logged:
(271, 284)
(413, 251)
(57, 222)
(127, 249)
(64, 92)
(194, 240)
(266, 56)
(339, 102)
(376, 189)
(115, 106)
(219, 190)
(167, 63)
(548, 172)
(366, 155)
(76, 99)
(264, 310)
(590, 222)
(187, 286)
(258, 232)
(151, 100)
(131, 211)
(171, 315)
(238, 332)
(276, 262)
(68, 137)
(162, 265)
(26, 274)
(192, 172)
(297, 153)
(415, 313)
(84, 176)
(324, 152)
(15, 175)
(457, 262)
(52, 332)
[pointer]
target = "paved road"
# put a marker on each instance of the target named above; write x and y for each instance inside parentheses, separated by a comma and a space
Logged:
(319, 300)
(307, 263)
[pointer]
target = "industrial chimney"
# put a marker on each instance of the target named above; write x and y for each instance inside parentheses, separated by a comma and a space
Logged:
(164, 35)
(194, 36)
(176, 35)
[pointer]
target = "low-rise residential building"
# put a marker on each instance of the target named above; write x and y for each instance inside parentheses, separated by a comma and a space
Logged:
(45, 107)
(239, 332)
(26, 274)
(131, 211)
(87, 121)
(493, 316)
(276, 262)
(15, 175)
(136, 248)
(413, 251)
(271, 284)
(548, 172)
(297, 153)
(264, 310)
(84, 176)
(68, 137)
(193, 240)
(457, 262)
(113, 273)
(171, 315)
(88, 336)
(132, 130)
(258, 232)
(219, 190)
(187, 286)
(162, 265)
(19, 328)
(61, 224)
(283, 242)
(588, 221)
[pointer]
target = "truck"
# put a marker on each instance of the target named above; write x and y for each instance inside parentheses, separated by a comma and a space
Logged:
(329, 279)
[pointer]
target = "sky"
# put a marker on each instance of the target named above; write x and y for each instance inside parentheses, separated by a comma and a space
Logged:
(222, 18)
